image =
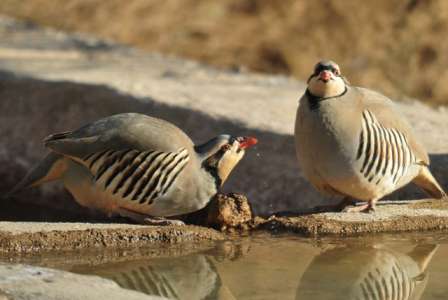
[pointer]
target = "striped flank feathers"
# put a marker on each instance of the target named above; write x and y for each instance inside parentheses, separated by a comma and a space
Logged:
(384, 152)
(134, 175)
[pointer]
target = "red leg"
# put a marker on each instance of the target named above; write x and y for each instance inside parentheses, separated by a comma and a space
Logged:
(370, 206)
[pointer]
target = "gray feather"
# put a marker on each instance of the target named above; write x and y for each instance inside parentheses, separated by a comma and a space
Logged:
(38, 174)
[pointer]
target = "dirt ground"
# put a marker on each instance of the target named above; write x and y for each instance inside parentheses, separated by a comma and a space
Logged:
(398, 47)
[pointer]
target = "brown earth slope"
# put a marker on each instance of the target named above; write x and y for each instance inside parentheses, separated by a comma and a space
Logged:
(397, 46)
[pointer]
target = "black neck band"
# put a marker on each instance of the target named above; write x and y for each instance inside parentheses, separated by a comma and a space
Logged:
(313, 101)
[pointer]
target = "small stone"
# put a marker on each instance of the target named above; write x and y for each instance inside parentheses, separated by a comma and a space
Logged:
(229, 211)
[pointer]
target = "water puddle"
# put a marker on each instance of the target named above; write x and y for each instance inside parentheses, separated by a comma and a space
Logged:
(263, 266)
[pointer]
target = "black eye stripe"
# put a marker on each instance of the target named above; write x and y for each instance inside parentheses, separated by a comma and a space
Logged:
(321, 68)
(226, 147)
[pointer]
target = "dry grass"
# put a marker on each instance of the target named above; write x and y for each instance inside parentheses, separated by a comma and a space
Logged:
(398, 47)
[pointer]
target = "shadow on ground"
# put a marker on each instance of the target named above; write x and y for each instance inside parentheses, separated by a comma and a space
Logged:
(31, 109)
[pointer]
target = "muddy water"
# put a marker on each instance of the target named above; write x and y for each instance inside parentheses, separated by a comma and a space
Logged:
(276, 267)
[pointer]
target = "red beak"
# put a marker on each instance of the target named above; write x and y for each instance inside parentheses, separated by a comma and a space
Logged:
(325, 75)
(247, 141)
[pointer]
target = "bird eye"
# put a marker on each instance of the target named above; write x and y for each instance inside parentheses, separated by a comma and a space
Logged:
(226, 147)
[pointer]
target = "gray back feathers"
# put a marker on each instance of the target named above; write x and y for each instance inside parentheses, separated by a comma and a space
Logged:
(120, 132)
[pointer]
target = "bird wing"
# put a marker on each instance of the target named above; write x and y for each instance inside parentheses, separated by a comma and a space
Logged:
(132, 155)
(392, 126)
(119, 132)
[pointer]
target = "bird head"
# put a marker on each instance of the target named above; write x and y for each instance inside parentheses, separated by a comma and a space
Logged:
(326, 80)
(222, 153)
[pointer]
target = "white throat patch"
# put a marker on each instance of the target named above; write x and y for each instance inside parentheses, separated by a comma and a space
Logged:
(332, 88)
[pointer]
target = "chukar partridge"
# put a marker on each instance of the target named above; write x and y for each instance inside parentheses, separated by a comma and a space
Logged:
(351, 142)
(138, 167)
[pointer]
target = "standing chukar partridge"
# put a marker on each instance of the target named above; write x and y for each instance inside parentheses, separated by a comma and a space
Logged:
(351, 142)
(138, 167)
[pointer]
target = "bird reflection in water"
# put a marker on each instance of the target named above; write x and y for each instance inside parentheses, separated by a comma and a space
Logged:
(186, 277)
(367, 273)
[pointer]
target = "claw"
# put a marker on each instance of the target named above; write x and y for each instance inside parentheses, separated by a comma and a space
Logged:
(365, 208)
(162, 222)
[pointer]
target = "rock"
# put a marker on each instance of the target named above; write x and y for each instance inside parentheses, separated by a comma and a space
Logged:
(229, 211)
(225, 212)
(24, 282)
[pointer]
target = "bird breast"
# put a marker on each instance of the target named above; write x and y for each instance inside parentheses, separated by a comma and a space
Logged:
(326, 137)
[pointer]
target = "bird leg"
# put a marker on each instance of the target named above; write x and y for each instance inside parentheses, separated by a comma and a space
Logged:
(358, 208)
(365, 208)
(147, 220)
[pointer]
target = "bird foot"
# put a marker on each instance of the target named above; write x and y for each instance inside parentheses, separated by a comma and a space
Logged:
(365, 208)
(147, 220)
(162, 222)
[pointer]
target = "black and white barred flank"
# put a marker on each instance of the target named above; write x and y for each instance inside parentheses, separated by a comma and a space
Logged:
(136, 175)
(384, 152)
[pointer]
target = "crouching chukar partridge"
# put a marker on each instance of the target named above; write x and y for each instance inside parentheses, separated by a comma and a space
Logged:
(351, 142)
(138, 167)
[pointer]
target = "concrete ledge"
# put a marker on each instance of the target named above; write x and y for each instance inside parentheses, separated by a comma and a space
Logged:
(423, 215)
(32, 237)
(26, 237)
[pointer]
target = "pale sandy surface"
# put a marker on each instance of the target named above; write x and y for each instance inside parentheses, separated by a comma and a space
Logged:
(387, 212)
(425, 215)
(408, 57)
(33, 227)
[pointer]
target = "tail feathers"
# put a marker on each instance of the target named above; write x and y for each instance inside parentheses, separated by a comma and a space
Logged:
(422, 255)
(50, 168)
(57, 136)
(429, 184)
